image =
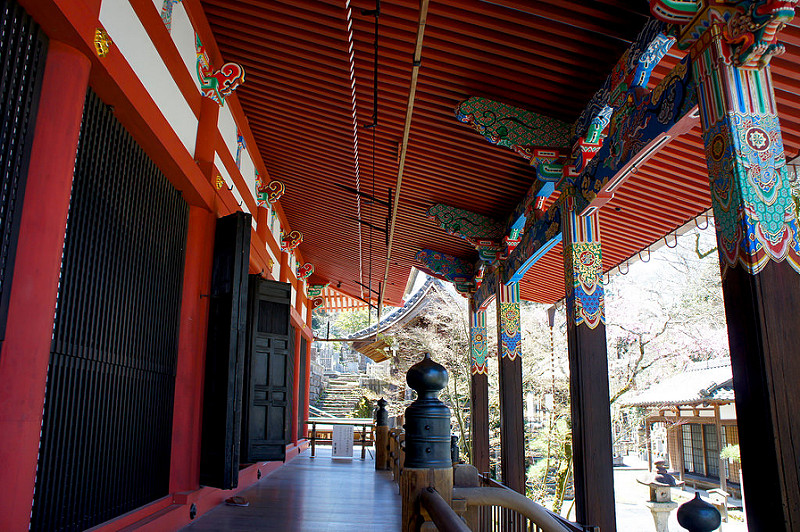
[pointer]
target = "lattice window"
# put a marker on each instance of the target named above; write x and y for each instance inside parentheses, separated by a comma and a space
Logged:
(711, 450)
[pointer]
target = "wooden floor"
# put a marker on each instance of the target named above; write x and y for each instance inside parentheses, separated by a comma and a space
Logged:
(313, 494)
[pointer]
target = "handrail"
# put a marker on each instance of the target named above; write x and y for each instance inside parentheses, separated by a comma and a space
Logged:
(362, 422)
(564, 522)
(442, 515)
(517, 502)
(340, 421)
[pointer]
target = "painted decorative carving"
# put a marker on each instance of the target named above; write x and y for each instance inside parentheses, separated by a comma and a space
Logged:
(474, 228)
(315, 290)
(480, 271)
(219, 182)
(583, 267)
(269, 193)
(512, 127)
(631, 73)
(486, 292)
(240, 147)
(166, 13)
(290, 241)
(216, 84)
(102, 42)
(674, 11)
(448, 268)
(508, 316)
(750, 185)
(749, 28)
(539, 237)
(305, 271)
(753, 33)
(317, 302)
(644, 120)
(479, 350)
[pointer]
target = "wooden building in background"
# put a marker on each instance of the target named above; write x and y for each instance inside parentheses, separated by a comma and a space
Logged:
(696, 408)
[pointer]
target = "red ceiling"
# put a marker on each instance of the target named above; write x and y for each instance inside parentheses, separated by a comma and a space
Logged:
(547, 56)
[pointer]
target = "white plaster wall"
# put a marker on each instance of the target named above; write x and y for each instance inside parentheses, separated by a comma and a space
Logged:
(276, 230)
(276, 267)
(130, 37)
(275, 261)
(294, 297)
(183, 37)
(303, 312)
(248, 171)
(223, 171)
(227, 128)
(727, 411)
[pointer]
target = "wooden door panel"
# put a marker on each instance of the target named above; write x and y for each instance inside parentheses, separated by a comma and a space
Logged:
(269, 372)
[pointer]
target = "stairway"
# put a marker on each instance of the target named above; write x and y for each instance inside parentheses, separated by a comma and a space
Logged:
(341, 395)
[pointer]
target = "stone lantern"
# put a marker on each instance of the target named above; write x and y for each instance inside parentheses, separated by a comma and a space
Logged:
(660, 503)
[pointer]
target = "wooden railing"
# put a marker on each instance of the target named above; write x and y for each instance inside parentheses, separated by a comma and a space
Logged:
(485, 506)
(396, 452)
(492, 507)
(321, 434)
(441, 513)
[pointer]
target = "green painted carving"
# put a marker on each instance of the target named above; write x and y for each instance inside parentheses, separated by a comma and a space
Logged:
(476, 229)
(512, 127)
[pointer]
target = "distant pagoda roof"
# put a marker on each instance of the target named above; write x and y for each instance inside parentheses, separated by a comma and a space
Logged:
(368, 341)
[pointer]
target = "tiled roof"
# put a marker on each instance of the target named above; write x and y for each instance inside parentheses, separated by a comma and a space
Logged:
(699, 382)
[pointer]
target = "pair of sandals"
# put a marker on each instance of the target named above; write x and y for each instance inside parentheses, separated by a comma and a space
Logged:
(237, 501)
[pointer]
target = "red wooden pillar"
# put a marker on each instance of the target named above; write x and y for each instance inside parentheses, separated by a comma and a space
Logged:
(26, 349)
(187, 416)
(479, 390)
(588, 370)
(187, 411)
(298, 336)
(207, 131)
(512, 426)
(262, 223)
(759, 251)
(309, 311)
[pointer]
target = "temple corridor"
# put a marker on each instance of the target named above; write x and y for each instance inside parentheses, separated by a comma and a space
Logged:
(318, 494)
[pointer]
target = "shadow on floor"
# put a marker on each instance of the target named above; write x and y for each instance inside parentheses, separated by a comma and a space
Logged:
(313, 494)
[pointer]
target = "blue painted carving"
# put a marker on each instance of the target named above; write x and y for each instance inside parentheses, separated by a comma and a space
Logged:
(448, 268)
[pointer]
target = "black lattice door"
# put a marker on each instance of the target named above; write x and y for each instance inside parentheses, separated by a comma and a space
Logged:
(107, 428)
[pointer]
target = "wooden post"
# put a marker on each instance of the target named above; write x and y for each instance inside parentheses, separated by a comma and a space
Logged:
(313, 439)
(34, 287)
(413, 482)
(382, 448)
(649, 445)
(363, 442)
(381, 436)
(588, 364)
(479, 390)
(466, 476)
(427, 442)
(759, 252)
(509, 347)
(723, 478)
(681, 464)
